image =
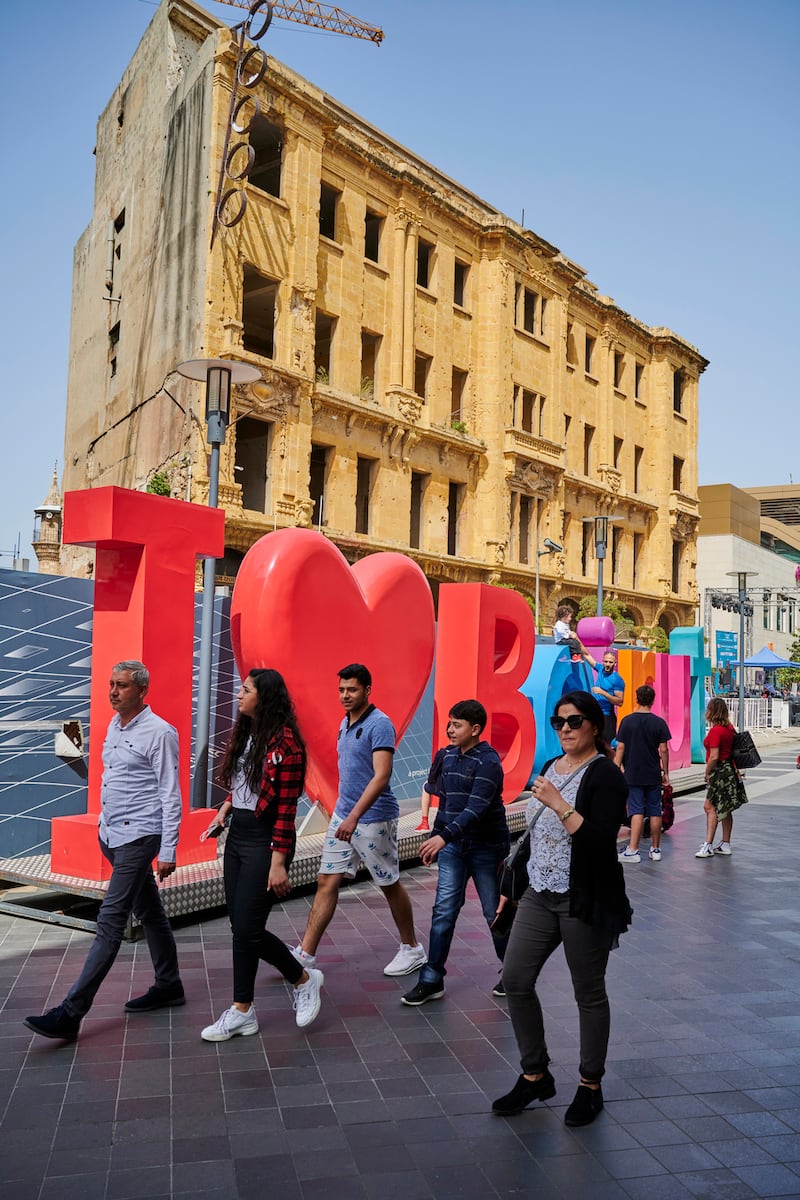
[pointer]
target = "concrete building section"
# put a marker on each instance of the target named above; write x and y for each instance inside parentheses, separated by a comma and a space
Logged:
(436, 378)
(730, 539)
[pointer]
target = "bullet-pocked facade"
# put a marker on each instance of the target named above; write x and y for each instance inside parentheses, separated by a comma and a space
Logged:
(436, 378)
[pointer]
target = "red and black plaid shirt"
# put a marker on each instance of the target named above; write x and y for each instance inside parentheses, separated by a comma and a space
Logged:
(281, 787)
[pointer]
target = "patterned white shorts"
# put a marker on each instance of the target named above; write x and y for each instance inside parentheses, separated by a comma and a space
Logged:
(374, 845)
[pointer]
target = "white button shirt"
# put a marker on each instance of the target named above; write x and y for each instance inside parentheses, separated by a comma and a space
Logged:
(140, 793)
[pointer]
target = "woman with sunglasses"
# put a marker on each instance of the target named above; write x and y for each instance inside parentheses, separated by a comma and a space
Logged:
(576, 895)
(264, 767)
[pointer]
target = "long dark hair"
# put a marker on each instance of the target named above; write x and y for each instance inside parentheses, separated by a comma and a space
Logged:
(586, 704)
(274, 711)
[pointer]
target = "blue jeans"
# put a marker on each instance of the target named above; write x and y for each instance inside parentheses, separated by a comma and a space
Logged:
(131, 889)
(457, 865)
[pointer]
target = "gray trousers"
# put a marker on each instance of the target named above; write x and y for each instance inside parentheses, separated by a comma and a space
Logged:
(131, 889)
(543, 923)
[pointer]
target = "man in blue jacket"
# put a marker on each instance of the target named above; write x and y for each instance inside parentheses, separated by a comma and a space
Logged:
(470, 840)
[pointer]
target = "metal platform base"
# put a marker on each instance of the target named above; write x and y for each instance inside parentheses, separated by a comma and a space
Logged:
(189, 891)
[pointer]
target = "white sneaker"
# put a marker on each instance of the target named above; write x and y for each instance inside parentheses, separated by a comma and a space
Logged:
(407, 959)
(629, 856)
(305, 960)
(307, 1001)
(705, 851)
(723, 848)
(654, 854)
(232, 1023)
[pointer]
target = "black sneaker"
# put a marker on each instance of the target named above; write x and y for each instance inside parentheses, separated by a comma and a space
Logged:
(57, 1023)
(422, 993)
(499, 988)
(157, 997)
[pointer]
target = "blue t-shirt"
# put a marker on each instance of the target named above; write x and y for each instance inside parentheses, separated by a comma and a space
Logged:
(610, 683)
(356, 745)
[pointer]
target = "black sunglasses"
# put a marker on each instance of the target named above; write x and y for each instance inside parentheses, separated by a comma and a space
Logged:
(574, 720)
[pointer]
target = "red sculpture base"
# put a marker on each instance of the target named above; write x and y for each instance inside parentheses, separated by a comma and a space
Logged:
(76, 851)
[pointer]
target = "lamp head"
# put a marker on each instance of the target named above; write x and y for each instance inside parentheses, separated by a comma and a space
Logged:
(552, 546)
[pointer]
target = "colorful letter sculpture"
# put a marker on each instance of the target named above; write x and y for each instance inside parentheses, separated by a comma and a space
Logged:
(147, 548)
(484, 651)
(299, 607)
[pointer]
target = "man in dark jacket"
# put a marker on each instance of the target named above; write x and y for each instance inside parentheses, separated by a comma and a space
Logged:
(470, 840)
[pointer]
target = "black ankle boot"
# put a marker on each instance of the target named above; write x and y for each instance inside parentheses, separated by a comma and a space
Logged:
(587, 1104)
(523, 1093)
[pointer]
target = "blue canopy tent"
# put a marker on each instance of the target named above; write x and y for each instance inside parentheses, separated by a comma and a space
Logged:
(767, 659)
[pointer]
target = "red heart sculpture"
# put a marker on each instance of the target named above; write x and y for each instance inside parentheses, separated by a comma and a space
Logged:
(299, 607)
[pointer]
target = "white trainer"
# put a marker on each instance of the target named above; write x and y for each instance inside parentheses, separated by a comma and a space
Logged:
(305, 960)
(232, 1023)
(407, 959)
(723, 848)
(307, 1000)
(654, 854)
(705, 851)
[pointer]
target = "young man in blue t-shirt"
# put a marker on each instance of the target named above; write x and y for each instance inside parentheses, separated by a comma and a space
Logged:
(363, 828)
(608, 690)
(469, 840)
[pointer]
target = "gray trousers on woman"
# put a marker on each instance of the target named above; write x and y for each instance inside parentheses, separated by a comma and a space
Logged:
(541, 925)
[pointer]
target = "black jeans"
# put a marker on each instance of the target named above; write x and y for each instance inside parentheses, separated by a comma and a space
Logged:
(246, 872)
(543, 923)
(131, 889)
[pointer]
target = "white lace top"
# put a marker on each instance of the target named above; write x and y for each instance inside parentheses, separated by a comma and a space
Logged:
(551, 845)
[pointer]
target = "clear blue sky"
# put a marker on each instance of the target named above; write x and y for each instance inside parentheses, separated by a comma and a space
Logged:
(656, 145)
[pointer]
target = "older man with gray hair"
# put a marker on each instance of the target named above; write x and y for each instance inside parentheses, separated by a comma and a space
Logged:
(139, 821)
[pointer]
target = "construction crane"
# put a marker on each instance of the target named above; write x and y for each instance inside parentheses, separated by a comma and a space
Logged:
(322, 16)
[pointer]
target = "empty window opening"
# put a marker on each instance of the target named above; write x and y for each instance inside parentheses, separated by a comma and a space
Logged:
(259, 304)
(373, 225)
(525, 510)
(419, 483)
(677, 474)
(457, 409)
(460, 273)
(567, 423)
(324, 329)
(638, 543)
(616, 544)
(328, 210)
(422, 367)
(455, 498)
(266, 140)
(617, 452)
(677, 391)
(638, 454)
(619, 368)
(370, 344)
(319, 467)
(677, 560)
(424, 263)
(586, 546)
(252, 462)
(588, 435)
(365, 468)
(572, 351)
(638, 380)
(529, 310)
(588, 355)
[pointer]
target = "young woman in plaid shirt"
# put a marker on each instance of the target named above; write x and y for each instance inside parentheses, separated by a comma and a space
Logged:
(264, 767)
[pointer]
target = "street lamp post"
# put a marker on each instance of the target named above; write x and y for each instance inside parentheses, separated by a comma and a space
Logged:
(550, 547)
(741, 578)
(601, 524)
(219, 374)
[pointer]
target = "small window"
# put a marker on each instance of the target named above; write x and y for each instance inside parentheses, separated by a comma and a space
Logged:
(572, 352)
(588, 354)
(619, 367)
(455, 497)
(638, 452)
(543, 317)
(319, 468)
(373, 226)
(460, 274)
(567, 423)
(540, 424)
(617, 452)
(113, 366)
(119, 221)
(324, 329)
(529, 300)
(588, 435)
(677, 561)
(266, 140)
(424, 263)
(419, 483)
(526, 410)
(252, 462)
(638, 542)
(677, 392)
(364, 474)
(457, 395)
(638, 381)
(113, 335)
(259, 305)
(370, 343)
(422, 366)
(525, 509)
(328, 209)
(677, 474)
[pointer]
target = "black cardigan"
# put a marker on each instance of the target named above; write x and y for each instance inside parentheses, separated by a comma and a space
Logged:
(596, 884)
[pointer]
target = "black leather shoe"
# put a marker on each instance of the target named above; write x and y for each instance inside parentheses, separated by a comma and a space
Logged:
(57, 1023)
(157, 997)
(587, 1104)
(523, 1093)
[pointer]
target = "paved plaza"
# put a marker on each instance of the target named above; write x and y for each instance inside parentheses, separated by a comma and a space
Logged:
(377, 1101)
